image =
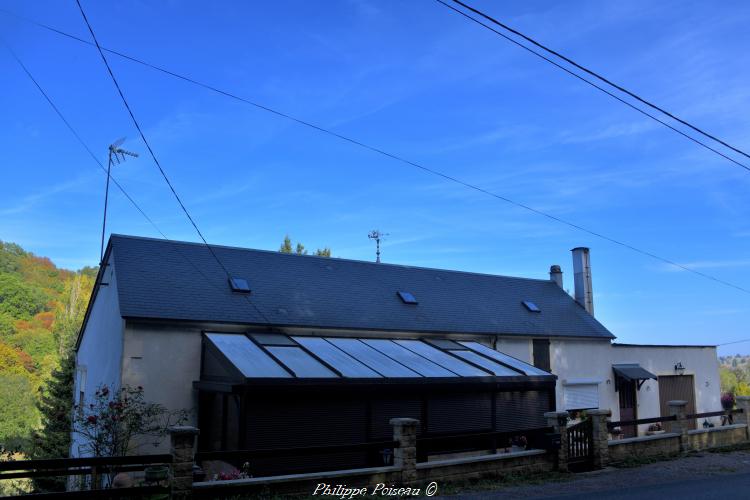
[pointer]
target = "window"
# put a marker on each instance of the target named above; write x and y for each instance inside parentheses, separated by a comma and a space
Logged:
(477, 359)
(244, 354)
(302, 364)
(335, 357)
(443, 359)
(580, 396)
(239, 285)
(541, 354)
(414, 361)
(407, 298)
(531, 306)
(267, 339)
(81, 388)
(503, 358)
(373, 358)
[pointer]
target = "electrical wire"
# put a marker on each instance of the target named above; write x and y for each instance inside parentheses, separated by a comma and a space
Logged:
(600, 77)
(404, 160)
(94, 157)
(598, 87)
(78, 137)
(155, 159)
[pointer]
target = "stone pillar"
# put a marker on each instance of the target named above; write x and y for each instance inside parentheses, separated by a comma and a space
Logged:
(743, 403)
(558, 420)
(680, 426)
(599, 419)
(405, 456)
(183, 454)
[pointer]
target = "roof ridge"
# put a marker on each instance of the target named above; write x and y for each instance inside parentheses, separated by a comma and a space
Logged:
(353, 261)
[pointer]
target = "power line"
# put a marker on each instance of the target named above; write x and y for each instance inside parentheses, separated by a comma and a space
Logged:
(410, 163)
(734, 342)
(79, 139)
(94, 157)
(600, 77)
(156, 160)
(598, 87)
(308, 124)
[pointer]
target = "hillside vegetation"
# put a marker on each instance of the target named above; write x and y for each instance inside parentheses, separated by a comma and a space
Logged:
(735, 374)
(41, 309)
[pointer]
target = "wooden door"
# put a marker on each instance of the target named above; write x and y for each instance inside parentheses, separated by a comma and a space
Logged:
(628, 406)
(677, 387)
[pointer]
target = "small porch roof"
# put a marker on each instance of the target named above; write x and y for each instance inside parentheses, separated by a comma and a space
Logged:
(633, 371)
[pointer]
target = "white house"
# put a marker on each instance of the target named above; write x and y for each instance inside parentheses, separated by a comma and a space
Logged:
(162, 312)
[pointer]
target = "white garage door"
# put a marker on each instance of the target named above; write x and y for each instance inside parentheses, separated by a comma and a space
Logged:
(580, 396)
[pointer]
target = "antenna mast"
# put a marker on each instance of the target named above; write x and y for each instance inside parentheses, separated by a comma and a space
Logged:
(376, 235)
(116, 154)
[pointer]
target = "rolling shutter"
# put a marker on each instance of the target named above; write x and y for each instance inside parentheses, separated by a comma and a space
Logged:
(580, 396)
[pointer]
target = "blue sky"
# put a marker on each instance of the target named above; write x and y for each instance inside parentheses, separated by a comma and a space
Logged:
(418, 80)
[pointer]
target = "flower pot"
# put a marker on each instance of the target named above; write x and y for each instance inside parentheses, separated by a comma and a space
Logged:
(156, 473)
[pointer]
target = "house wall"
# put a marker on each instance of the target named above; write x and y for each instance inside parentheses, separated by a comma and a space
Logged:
(99, 355)
(701, 362)
(576, 360)
(164, 360)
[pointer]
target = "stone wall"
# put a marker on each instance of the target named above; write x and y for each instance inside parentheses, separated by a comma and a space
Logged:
(486, 466)
(715, 437)
(662, 445)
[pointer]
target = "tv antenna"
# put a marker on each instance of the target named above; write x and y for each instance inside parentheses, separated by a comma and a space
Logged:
(116, 154)
(377, 235)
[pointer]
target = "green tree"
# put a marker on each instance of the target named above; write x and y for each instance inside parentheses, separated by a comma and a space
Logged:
(18, 299)
(56, 409)
(69, 313)
(299, 249)
(18, 414)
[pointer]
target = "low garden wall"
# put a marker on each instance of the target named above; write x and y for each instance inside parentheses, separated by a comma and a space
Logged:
(716, 437)
(660, 445)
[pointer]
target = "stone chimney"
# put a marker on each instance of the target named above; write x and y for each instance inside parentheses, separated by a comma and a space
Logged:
(582, 278)
(555, 274)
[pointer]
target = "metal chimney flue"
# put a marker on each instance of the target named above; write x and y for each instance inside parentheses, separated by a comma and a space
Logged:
(584, 294)
(555, 274)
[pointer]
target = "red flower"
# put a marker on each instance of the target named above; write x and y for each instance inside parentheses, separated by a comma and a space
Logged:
(91, 419)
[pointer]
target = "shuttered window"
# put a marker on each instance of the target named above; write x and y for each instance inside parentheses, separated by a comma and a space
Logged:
(580, 396)
(541, 354)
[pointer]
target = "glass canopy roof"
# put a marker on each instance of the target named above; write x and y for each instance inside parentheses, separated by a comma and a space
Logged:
(271, 355)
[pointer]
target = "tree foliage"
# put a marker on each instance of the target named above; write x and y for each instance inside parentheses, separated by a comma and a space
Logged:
(299, 248)
(41, 308)
(55, 406)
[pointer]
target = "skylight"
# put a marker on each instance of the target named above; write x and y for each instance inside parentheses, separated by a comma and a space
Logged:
(239, 285)
(407, 298)
(531, 306)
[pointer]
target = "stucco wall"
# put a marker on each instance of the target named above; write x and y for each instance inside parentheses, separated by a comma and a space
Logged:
(164, 360)
(517, 347)
(100, 352)
(701, 362)
(574, 360)
(584, 359)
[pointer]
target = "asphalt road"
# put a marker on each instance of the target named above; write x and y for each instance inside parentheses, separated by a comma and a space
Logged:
(724, 476)
(723, 487)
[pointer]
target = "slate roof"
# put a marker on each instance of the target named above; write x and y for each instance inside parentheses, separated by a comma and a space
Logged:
(170, 280)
